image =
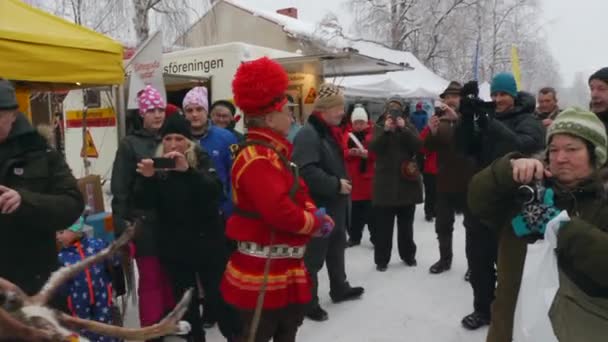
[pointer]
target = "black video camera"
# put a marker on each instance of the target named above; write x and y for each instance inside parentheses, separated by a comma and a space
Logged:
(471, 105)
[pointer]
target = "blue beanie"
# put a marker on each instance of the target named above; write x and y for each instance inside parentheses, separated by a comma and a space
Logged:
(504, 82)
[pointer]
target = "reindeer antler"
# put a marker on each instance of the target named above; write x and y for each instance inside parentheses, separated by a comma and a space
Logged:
(68, 272)
(12, 329)
(170, 325)
(27, 319)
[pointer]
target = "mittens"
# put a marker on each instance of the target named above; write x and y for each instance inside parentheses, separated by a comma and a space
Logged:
(535, 216)
(327, 224)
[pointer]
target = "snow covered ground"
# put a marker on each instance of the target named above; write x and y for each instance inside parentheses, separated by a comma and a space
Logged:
(403, 304)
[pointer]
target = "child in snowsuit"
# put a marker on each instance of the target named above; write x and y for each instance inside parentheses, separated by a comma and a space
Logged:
(90, 293)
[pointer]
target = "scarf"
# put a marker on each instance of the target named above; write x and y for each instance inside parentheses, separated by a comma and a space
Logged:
(336, 131)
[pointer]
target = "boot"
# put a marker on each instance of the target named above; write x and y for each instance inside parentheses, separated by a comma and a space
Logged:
(317, 314)
(350, 293)
(441, 266)
(475, 321)
(445, 252)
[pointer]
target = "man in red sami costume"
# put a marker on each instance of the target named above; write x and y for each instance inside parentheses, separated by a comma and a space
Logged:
(274, 215)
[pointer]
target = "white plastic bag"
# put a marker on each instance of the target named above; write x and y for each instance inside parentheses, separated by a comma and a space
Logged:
(539, 284)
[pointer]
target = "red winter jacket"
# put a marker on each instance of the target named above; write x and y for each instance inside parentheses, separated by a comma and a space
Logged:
(430, 157)
(360, 174)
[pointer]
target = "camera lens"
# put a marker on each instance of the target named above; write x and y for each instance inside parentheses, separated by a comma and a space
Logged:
(526, 194)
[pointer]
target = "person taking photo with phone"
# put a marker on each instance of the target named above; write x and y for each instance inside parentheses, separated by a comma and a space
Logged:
(397, 185)
(186, 199)
(154, 290)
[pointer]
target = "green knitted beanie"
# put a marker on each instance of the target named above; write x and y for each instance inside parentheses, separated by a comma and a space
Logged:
(585, 125)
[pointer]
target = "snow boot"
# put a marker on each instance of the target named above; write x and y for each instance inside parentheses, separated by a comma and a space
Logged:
(441, 266)
(350, 293)
(475, 321)
(411, 262)
(445, 252)
(317, 314)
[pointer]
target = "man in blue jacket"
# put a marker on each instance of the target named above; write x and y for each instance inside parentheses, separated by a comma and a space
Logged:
(215, 140)
(419, 118)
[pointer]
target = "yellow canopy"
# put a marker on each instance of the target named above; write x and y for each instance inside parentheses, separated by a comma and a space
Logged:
(36, 46)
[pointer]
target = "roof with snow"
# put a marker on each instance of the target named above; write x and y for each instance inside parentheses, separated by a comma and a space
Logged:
(420, 82)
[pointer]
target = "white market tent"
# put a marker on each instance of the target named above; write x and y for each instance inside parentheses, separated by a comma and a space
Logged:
(418, 83)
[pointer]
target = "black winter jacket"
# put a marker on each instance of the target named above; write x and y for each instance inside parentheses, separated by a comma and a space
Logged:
(513, 131)
(133, 148)
(187, 207)
(321, 162)
(50, 201)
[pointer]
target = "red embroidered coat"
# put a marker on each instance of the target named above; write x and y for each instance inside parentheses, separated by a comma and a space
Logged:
(261, 184)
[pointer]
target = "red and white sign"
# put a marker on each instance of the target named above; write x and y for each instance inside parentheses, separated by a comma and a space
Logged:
(145, 68)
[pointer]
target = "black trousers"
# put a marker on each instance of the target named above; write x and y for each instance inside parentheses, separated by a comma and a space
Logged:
(330, 250)
(446, 207)
(430, 194)
(209, 269)
(482, 249)
(279, 325)
(361, 214)
(384, 222)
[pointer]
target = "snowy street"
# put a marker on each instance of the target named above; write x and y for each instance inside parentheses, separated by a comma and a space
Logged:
(401, 305)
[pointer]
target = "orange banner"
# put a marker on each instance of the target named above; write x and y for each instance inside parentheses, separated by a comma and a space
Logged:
(96, 117)
(23, 99)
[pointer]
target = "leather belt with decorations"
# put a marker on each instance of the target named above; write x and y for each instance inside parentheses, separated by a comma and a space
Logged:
(273, 251)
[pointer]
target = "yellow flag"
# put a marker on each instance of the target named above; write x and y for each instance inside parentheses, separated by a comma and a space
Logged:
(515, 66)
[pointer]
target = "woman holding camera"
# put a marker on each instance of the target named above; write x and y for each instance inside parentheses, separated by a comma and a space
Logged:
(576, 150)
(182, 187)
(397, 185)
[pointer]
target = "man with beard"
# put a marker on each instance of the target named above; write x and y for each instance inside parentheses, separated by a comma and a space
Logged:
(454, 174)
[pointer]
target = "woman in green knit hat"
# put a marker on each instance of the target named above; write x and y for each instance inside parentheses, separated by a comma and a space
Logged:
(571, 174)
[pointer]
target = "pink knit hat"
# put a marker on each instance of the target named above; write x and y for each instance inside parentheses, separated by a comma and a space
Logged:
(150, 99)
(197, 96)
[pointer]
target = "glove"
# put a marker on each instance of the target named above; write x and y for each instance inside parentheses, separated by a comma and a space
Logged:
(327, 224)
(470, 88)
(535, 216)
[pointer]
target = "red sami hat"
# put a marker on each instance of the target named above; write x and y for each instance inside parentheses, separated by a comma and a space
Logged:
(259, 87)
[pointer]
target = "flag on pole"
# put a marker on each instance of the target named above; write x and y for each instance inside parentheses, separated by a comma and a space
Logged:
(515, 66)
(476, 61)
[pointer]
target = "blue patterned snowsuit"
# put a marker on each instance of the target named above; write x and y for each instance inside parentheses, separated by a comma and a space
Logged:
(89, 293)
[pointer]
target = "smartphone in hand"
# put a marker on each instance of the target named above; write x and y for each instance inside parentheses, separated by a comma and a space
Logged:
(164, 163)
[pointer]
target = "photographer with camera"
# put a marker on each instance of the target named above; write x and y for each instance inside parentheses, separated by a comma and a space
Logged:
(571, 182)
(488, 131)
(397, 185)
(455, 171)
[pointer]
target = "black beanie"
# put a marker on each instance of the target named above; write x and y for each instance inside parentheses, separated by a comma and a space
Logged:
(224, 103)
(177, 124)
(601, 75)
